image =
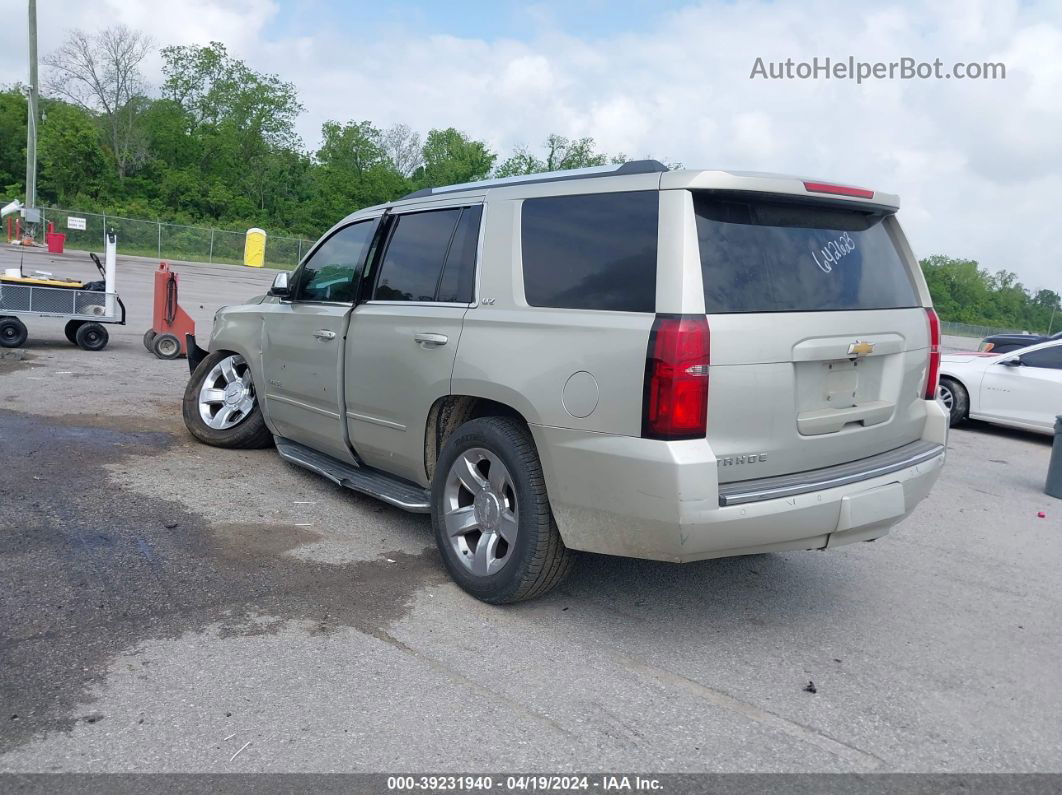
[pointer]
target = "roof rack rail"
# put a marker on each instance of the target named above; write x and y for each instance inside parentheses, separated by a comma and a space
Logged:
(630, 167)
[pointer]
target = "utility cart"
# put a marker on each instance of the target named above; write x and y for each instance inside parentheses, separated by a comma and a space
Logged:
(88, 307)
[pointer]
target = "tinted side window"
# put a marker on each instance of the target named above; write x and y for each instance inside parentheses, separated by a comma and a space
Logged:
(456, 284)
(332, 272)
(1051, 358)
(591, 252)
(415, 255)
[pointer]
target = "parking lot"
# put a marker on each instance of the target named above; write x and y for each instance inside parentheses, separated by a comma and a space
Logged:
(166, 603)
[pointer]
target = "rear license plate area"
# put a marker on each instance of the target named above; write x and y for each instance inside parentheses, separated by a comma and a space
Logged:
(871, 507)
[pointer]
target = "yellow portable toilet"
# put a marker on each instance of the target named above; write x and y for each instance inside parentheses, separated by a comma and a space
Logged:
(254, 248)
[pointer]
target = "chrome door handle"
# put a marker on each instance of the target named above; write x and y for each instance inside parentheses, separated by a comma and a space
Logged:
(324, 334)
(430, 340)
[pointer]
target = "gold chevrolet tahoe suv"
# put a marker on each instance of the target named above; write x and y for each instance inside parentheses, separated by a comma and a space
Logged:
(628, 360)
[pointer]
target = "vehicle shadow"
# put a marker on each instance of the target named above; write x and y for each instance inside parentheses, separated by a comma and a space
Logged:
(1003, 432)
(764, 589)
(52, 339)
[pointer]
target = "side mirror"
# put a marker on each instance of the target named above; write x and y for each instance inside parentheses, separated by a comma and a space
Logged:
(281, 285)
(1014, 362)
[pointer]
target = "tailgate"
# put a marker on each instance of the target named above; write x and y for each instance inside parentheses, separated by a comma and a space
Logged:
(787, 396)
(819, 343)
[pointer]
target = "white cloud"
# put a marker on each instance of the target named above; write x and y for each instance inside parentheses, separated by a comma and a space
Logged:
(978, 164)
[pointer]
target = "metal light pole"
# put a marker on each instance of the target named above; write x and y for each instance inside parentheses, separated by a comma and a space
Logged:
(31, 122)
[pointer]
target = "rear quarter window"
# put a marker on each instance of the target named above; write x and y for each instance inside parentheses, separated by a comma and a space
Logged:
(591, 252)
(765, 256)
(415, 255)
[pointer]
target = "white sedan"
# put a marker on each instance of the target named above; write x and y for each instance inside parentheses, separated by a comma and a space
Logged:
(1022, 388)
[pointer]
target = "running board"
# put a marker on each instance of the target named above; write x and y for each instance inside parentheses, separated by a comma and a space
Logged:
(400, 493)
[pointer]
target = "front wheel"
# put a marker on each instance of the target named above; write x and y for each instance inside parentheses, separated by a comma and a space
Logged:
(491, 514)
(220, 406)
(955, 399)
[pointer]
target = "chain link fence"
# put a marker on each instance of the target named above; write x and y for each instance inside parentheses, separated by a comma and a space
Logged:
(170, 241)
(968, 330)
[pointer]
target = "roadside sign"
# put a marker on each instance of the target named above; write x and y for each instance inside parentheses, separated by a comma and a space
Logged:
(73, 222)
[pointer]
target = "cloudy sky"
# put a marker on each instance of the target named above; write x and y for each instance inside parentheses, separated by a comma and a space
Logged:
(977, 163)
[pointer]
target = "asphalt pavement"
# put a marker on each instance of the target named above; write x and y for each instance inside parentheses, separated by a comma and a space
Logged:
(165, 605)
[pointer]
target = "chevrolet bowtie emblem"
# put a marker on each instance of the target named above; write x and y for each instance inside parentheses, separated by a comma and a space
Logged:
(860, 348)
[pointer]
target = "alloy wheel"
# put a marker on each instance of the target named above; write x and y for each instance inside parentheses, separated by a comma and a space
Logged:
(480, 513)
(947, 397)
(227, 397)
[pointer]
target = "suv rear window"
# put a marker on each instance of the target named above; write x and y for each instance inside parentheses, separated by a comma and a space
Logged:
(591, 252)
(775, 256)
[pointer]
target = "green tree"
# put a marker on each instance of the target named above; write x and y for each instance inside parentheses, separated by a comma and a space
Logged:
(451, 157)
(1048, 300)
(560, 154)
(354, 147)
(100, 73)
(218, 91)
(963, 292)
(353, 170)
(169, 140)
(12, 142)
(70, 153)
(243, 121)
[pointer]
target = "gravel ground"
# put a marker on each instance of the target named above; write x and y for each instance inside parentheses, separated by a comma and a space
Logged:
(166, 603)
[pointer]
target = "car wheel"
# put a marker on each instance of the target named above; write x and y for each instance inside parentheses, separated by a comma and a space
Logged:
(220, 406)
(91, 336)
(166, 346)
(955, 399)
(70, 330)
(491, 514)
(13, 332)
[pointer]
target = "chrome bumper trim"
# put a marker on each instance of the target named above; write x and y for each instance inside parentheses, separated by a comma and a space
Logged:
(745, 491)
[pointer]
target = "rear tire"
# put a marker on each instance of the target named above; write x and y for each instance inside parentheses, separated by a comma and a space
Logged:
(222, 383)
(70, 330)
(955, 399)
(491, 514)
(91, 336)
(13, 332)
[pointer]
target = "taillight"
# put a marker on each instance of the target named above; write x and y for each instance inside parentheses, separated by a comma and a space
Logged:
(933, 370)
(675, 404)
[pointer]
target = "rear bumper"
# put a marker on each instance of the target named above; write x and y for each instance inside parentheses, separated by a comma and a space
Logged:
(662, 500)
(744, 492)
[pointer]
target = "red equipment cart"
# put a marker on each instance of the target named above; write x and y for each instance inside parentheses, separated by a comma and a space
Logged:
(170, 324)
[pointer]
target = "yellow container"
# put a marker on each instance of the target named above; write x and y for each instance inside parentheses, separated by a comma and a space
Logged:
(254, 248)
